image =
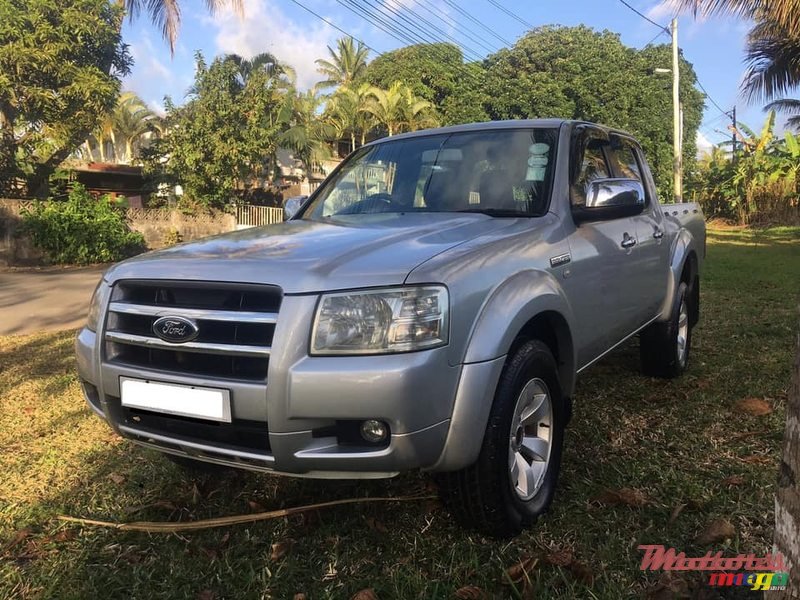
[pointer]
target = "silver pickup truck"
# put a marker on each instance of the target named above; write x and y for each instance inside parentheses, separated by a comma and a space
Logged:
(428, 307)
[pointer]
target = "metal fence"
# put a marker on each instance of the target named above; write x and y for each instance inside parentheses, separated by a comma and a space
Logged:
(249, 215)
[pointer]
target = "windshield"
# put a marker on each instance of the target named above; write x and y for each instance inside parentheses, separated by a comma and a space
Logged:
(505, 172)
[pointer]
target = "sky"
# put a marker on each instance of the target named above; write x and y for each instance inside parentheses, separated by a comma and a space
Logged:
(714, 46)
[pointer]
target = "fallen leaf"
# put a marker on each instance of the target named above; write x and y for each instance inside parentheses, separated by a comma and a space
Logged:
(753, 406)
(255, 506)
(559, 558)
(626, 496)
(581, 572)
(299, 596)
(673, 516)
(471, 592)
(717, 531)
(733, 480)
(18, 537)
(117, 478)
(669, 587)
(376, 525)
(281, 549)
(519, 572)
(365, 594)
(206, 595)
(64, 535)
(225, 538)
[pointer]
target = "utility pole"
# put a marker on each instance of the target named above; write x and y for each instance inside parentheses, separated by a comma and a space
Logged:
(733, 135)
(677, 159)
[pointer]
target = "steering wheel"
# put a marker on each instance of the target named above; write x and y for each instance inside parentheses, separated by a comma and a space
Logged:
(372, 204)
(379, 197)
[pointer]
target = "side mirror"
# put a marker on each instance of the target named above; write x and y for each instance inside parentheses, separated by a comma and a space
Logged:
(611, 198)
(292, 205)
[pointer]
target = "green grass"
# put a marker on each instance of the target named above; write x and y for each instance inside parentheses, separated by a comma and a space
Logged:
(674, 441)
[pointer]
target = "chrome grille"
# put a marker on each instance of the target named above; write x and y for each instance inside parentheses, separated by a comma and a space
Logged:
(236, 323)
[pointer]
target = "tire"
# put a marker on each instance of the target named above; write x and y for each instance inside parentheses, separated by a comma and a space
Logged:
(486, 495)
(664, 347)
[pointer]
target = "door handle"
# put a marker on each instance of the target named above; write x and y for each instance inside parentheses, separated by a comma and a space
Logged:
(658, 234)
(628, 241)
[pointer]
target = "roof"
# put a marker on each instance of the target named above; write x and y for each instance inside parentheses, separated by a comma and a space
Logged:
(489, 125)
(110, 169)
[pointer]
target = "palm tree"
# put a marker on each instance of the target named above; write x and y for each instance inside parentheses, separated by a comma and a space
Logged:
(308, 134)
(274, 68)
(129, 122)
(418, 113)
(773, 44)
(166, 14)
(398, 108)
(790, 106)
(102, 135)
(785, 13)
(133, 120)
(773, 47)
(347, 111)
(347, 63)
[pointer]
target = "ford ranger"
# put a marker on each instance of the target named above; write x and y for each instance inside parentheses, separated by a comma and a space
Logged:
(428, 307)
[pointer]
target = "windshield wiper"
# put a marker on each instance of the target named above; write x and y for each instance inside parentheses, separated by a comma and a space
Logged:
(497, 212)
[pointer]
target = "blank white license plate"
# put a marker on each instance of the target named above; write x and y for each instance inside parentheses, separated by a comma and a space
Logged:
(182, 400)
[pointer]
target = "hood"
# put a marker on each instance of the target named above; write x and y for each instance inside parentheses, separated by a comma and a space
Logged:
(312, 256)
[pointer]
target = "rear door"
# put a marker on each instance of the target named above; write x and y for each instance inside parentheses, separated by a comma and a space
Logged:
(649, 283)
(603, 256)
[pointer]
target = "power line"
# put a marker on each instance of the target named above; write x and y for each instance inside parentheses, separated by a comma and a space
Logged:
(426, 37)
(336, 27)
(510, 13)
(448, 20)
(481, 24)
(395, 31)
(719, 108)
(645, 17)
(428, 29)
(658, 35)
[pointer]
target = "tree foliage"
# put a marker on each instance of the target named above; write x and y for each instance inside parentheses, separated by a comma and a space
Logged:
(579, 73)
(758, 184)
(60, 67)
(436, 73)
(225, 137)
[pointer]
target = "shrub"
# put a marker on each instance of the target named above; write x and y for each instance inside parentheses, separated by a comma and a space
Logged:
(81, 230)
(172, 237)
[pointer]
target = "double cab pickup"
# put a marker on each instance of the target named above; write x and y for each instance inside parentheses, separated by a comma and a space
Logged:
(428, 307)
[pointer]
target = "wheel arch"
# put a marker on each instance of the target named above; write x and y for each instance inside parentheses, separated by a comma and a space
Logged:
(684, 267)
(530, 305)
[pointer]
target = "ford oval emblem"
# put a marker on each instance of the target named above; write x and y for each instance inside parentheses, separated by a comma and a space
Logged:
(175, 329)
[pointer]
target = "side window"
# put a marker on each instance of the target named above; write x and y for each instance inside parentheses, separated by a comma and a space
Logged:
(593, 166)
(629, 163)
(626, 160)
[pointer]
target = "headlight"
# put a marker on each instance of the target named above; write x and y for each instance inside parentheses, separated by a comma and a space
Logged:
(95, 307)
(381, 321)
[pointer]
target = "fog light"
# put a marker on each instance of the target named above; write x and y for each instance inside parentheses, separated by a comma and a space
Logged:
(374, 431)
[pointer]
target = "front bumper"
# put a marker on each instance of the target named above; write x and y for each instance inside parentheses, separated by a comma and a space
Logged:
(304, 401)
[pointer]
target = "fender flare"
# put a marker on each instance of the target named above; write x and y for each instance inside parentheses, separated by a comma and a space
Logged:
(511, 306)
(682, 248)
